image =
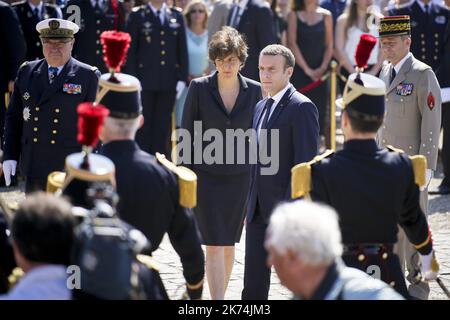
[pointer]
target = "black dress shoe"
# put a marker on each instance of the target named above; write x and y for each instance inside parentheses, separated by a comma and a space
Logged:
(442, 189)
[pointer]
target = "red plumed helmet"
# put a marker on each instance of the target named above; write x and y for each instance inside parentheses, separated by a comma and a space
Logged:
(115, 47)
(366, 43)
(90, 121)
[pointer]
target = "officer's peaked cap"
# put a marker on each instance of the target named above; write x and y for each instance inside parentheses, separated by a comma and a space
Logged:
(56, 28)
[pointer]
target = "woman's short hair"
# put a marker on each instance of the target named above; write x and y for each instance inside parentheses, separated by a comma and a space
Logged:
(226, 42)
(188, 9)
(309, 230)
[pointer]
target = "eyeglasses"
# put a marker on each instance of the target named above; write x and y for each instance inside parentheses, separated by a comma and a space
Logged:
(56, 44)
(197, 11)
(232, 62)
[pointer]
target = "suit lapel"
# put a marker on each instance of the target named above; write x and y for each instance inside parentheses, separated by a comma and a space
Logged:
(258, 113)
(280, 106)
(40, 84)
(401, 76)
(66, 73)
(216, 94)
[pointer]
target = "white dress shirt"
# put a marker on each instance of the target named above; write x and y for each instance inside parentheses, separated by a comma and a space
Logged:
(277, 97)
(161, 11)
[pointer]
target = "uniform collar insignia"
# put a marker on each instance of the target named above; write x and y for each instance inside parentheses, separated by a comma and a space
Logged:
(26, 95)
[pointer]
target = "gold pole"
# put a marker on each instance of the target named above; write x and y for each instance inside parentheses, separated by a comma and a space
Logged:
(333, 105)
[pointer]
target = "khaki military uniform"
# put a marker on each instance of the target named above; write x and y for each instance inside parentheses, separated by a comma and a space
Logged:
(412, 123)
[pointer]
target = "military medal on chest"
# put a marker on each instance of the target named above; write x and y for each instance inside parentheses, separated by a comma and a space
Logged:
(26, 114)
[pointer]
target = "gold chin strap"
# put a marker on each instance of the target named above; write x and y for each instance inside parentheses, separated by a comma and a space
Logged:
(187, 181)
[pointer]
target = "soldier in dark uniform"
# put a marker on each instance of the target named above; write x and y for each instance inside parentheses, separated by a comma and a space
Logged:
(148, 192)
(158, 58)
(428, 22)
(372, 189)
(30, 12)
(12, 55)
(41, 121)
(96, 16)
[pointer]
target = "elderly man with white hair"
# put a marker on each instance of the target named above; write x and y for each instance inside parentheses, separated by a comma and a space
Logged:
(304, 245)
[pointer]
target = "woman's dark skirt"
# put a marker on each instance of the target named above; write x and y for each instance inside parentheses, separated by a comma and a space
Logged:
(220, 211)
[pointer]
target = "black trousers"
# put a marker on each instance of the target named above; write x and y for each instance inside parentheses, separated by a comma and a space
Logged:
(446, 143)
(256, 272)
(154, 136)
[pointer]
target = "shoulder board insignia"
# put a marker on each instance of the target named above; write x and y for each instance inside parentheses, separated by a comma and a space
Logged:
(135, 9)
(148, 261)
(94, 68)
(55, 182)
(187, 182)
(419, 163)
(301, 175)
(177, 9)
(393, 149)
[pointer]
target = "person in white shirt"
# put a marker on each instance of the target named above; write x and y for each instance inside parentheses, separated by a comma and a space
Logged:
(42, 233)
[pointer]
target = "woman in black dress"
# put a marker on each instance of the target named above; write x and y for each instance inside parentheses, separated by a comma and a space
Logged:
(222, 101)
(310, 37)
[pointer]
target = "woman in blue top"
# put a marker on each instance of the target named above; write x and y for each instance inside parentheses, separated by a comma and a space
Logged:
(196, 16)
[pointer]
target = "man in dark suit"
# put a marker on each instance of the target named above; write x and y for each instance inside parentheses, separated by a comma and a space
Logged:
(253, 18)
(41, 121)
(293, 119)
(12, 55)
(158, 58)
(149, 197)
(96, 16)
(30, 12)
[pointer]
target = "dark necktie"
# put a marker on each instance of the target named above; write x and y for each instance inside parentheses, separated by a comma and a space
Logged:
(97, 5)
(36, 14)
(53, 73)
(158, 17)
(268, 108)
(393, 74)
(426, 8)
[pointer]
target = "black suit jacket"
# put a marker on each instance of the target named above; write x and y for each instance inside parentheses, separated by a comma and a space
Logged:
(41, 121)
(148, 200)
(87, 47)
(296, 118)
(256, 24)
(203, 103)
(13, 49)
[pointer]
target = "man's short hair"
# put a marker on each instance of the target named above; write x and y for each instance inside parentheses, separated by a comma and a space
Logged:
(278, 49)
(308, 230)
(360, 124)
(43, 229)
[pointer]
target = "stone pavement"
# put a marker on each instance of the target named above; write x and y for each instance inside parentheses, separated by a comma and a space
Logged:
(439, 219)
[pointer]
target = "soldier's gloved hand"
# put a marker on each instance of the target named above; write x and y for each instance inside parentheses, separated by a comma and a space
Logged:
(180, 87)
(9, 169)
(429, 267)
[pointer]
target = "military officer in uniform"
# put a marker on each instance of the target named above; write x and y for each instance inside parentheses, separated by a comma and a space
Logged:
(413, 114)
(372, 189)
(158, 58)
(96, 16)
(41, 121)
(30, 12)
(149, 195)
(428, 22)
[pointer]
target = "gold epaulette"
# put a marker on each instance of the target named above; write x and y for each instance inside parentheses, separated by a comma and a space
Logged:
(301, 175)
(393, 149)
(55, 181)
(187, 182)
(419, 163)
(148, 261)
